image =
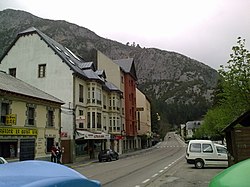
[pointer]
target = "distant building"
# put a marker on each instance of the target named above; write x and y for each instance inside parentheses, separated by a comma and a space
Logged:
(183, 130)
(30, 120)
(191, 127)
(143, 110)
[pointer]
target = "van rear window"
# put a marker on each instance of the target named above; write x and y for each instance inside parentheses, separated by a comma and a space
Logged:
(195, 147)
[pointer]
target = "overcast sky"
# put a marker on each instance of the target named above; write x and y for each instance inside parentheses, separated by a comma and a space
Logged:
(204, 30)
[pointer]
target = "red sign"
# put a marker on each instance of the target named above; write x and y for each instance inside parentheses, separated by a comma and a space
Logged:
(64, 134)
(119, 137)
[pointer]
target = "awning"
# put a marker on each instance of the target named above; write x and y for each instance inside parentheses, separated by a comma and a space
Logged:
(91, 136)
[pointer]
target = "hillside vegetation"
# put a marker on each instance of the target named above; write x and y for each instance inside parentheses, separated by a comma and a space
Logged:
(180, 88)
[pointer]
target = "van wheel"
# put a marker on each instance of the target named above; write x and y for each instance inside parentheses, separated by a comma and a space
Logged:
(199, 164)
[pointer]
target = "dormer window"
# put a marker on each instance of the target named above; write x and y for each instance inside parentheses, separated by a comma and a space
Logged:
(12, 72)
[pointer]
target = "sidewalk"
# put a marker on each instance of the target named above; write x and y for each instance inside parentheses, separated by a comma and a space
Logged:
(84, 161)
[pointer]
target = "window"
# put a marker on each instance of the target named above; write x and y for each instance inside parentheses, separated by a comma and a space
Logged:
(93, 94)
(88, 120)
(99, 96)
(80, 93)
(104, 102)
(81, 126)
(50, 143)
(99, 120)
(41, 70)
(50, 118)
(207, 148)
(222, 150)
(88, 100)
(93, 120)
(4, 111)
(110, 124)
(30, 114)
(12, 72)
(195, 147)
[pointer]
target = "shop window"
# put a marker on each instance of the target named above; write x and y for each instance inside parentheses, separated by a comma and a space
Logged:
(81, 126)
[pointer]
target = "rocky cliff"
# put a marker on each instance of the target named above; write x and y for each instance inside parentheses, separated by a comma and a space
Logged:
(180, 88)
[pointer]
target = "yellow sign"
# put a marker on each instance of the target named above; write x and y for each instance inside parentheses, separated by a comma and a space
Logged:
(11, 119)
(18, 131)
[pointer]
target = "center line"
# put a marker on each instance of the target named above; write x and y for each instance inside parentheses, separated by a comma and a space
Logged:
(146, 181)
(155, 175)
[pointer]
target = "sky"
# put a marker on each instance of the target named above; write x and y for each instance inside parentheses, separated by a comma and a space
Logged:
(204, 30)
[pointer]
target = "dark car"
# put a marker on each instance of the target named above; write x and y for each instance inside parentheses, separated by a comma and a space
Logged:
(107, 155)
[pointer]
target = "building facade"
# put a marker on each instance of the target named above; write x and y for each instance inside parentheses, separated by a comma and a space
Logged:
(30, 120)
(143, 109)
(115, 75)
(129, 80)
(90, 116)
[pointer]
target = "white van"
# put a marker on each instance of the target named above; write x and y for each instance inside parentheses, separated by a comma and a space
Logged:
(206, 153)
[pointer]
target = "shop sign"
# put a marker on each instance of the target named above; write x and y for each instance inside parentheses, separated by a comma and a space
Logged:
(64, 134)
(18, 131)
(96, 136)
(119, 137)
(139, 109)
(11, 119)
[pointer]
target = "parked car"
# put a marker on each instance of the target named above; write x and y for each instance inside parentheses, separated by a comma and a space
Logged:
(35, 173)
(206, 153)
(234, 176)
(3, 161)
(107, 155)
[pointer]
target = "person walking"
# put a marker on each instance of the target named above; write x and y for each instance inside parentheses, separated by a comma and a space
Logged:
(58, 153)
(53, 154)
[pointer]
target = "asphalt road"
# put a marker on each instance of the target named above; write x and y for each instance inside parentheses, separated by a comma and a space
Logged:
(164, 165)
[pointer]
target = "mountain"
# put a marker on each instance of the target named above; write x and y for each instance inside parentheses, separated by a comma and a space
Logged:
(180, 88)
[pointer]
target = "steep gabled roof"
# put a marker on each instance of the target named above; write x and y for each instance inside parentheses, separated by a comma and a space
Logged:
(127, 66)
(101, 73)
(11, 84)
(67, 56)
(243, 120)
(87, 65)
(111, 87)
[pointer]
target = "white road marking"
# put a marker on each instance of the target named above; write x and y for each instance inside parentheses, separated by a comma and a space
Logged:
(166, 167)
(146, 181)
(161, 171)
(154, 175)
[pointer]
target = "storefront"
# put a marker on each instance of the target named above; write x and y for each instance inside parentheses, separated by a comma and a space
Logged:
(89, 143)
(18, 143)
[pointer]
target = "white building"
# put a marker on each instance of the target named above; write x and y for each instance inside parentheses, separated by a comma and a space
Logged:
(42, 62)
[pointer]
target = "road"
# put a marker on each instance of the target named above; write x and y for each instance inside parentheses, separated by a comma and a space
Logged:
(164, 165)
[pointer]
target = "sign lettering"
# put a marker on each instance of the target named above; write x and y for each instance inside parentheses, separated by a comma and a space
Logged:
(18, 131)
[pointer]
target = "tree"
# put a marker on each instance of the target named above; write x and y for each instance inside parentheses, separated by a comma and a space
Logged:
(236, 77)
(233, 93)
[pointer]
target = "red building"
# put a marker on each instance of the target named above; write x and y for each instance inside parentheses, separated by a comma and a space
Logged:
(130, 78)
